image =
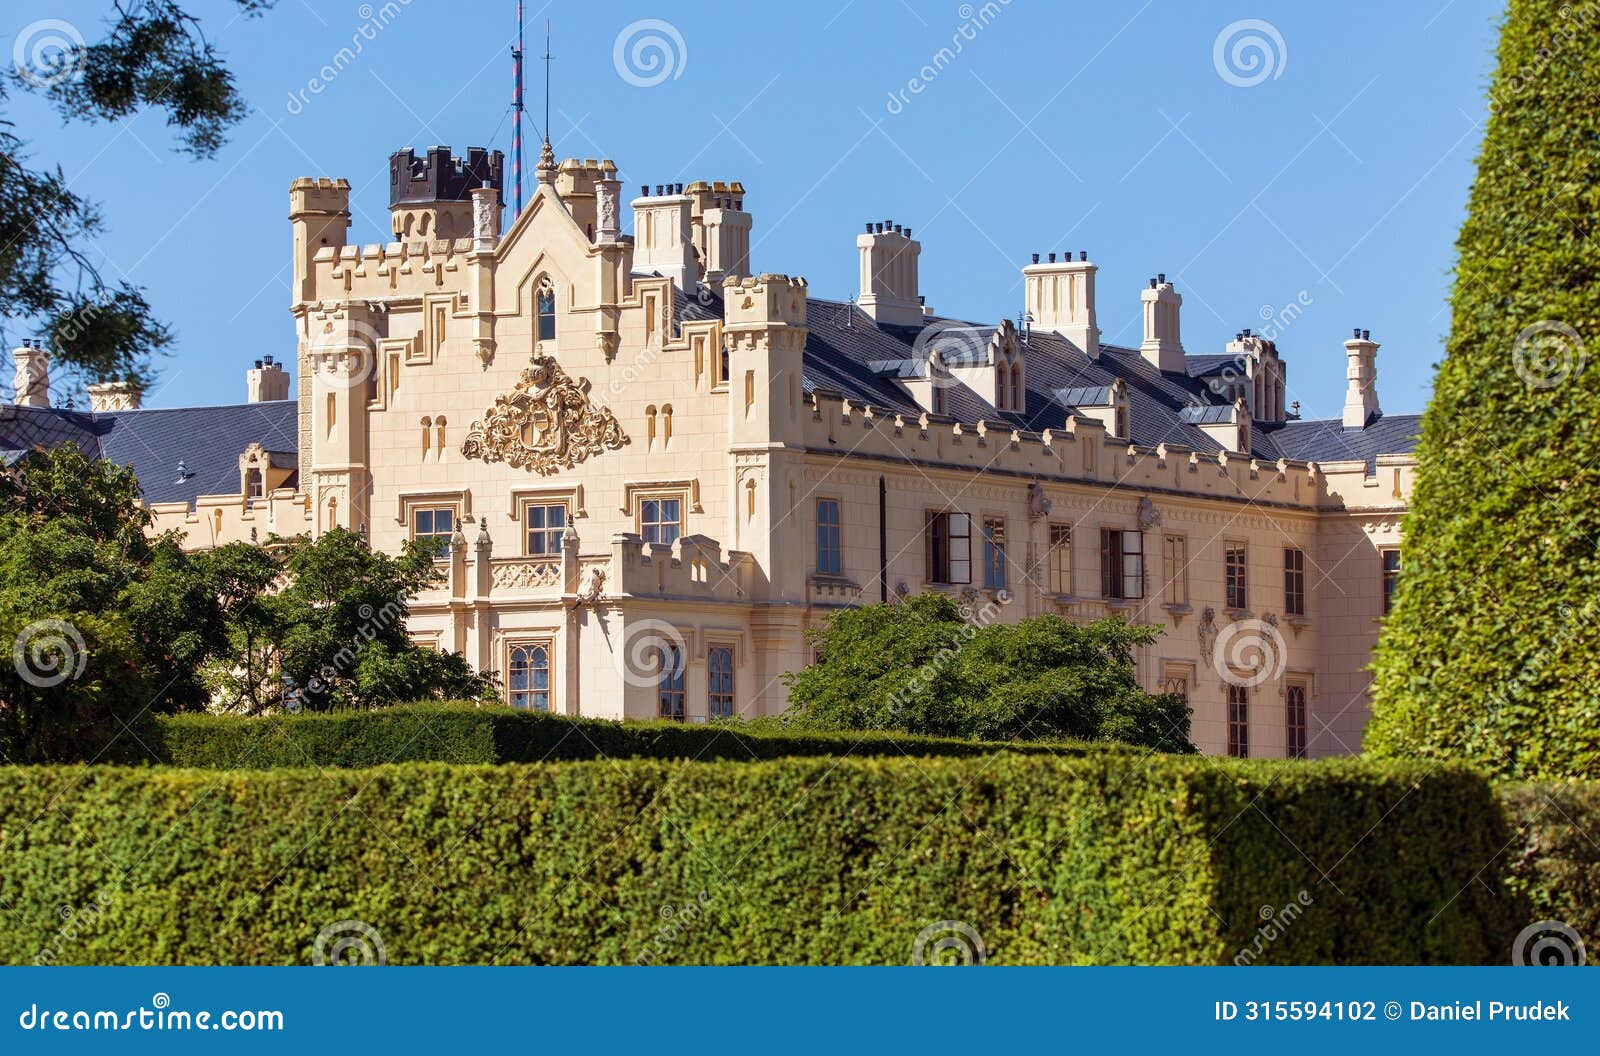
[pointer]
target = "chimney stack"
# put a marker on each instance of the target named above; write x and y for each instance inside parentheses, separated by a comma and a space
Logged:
(889, 290)
(267, 381)
(32, 382)
(721, 229)
(1060, 297)
(1361, 393)
(663, 239)
(1162, 347)
(107, 396)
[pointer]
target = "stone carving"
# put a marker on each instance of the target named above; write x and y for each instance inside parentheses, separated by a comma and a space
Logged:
(526, 575)
(1208, 629)
(593, 585)
(1039, 504)
(1149, 516)
(546, 424)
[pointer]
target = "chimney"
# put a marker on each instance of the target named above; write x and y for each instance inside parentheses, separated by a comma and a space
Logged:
(1361, 393)
(889, 290)
(1060, 297)
(266, 382)
(32, 382)
(721, 229)
(114, 396)
(1162, 347)
(662, 238)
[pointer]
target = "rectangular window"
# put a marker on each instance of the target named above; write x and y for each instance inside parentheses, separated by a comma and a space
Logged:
(1175, 568)
(660, 520)
(432, 526)
(949, 547)
(1294, 720)
(1121, 563)
(719, 670)
(528, 676)
(544, 523)
(994, 553)
(1060, 560)
(1238, 721)
(670, 689)
(1391, 578)
(830, 559)
(1294, 581)
(1237, 595)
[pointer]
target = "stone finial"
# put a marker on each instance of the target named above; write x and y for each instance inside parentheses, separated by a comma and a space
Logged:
(545, 173)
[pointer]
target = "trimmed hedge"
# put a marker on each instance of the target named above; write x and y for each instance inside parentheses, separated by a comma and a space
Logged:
(1103, 859)
(1492, 652)
(1554, 864)
(462, 733)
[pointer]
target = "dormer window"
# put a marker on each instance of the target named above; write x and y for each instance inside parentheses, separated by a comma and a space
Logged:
(253, 486)
(546, 307)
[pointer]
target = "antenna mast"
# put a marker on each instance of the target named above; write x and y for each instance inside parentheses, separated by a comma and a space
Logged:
(517, 109)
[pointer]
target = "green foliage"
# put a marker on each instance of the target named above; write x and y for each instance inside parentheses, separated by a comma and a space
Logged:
(1554, 864)
(1492, 652)
(920, 666)
(463, 733)
(1112, 858)
(337, 627)
(104, 623)
(153, 56)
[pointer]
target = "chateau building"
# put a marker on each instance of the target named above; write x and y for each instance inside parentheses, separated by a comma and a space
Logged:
(630, 447)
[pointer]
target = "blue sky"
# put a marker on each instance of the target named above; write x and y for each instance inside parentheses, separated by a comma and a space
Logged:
(1336, 182)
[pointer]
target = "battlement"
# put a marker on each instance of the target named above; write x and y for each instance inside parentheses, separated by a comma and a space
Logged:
(439, 176)
(764, 300)
(715, 195)
(1083, 452)
(576, 176)
(321, 195)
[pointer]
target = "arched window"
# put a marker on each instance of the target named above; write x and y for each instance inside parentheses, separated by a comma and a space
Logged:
(427, 435)
(650, 425)
(530, 677)
(546, 306)
(666, 422)
(439, 424)
(1016, 387)
(670, 692)
(253, 488)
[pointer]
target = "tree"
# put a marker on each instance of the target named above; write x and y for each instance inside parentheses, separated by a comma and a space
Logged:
(103, 623)
(921, 667)
(335, 629)
(153, 54)
(1492, 651)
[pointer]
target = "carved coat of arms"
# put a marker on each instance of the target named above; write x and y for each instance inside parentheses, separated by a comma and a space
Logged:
(546, 424)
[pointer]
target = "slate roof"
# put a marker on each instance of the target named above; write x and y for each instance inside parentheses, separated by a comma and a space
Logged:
(849, 354)
(208, 440)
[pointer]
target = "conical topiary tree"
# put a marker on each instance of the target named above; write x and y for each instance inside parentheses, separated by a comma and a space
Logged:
(1492, 652)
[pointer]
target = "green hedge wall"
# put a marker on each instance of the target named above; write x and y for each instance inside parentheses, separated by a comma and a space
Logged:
(468, 734)
(1554, 864)
(1108, 858)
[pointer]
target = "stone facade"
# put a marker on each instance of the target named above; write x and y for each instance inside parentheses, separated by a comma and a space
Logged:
(624, 441)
